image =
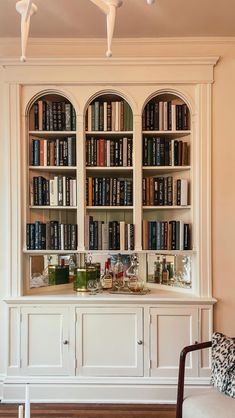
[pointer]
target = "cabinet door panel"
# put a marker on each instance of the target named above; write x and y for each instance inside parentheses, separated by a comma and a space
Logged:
(44, 331)
(107, 341)
(171, 330)
(205, 331)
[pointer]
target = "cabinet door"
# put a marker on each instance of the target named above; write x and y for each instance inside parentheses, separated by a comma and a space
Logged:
(109, 341)
(45, 341)
(171, 329)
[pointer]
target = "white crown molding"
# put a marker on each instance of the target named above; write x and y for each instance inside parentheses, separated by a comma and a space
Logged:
(120, 41)
(146, 61)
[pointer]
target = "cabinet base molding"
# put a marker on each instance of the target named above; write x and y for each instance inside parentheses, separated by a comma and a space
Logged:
(96, 393)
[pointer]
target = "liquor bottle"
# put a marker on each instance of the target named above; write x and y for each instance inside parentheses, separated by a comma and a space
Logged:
(157, 275)
(107, 277)
(71, 269)
(119, 273)
(165, 272)
(118, 268)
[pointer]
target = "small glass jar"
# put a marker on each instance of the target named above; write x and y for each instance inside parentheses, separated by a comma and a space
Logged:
(81, 277)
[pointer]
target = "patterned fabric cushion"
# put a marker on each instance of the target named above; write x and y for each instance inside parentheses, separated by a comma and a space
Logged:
(223, 364)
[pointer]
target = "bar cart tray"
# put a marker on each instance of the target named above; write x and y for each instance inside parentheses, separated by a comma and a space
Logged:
(129, 292)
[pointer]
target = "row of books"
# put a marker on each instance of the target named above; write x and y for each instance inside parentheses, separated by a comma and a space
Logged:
(165, 191)
(165, 116)
(51, 236)
(58, 152)
(165, 152)
(109, 116)
(108, 191)
(166, 235)
(109, 152)
(59, 191)
(54, 116)
(112, 235)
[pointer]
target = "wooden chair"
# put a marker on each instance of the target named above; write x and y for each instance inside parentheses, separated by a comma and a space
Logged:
(209, 404)
(183, 354)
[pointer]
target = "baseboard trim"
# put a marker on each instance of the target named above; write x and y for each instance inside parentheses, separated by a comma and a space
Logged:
(94, 393)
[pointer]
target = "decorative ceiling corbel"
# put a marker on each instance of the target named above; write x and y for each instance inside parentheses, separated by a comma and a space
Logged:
(27, 8)
(109, 7)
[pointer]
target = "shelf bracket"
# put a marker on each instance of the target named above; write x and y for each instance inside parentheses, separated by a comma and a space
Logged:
(26, 8)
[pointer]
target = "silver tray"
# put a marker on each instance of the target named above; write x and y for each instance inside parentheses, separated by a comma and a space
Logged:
(129, 292)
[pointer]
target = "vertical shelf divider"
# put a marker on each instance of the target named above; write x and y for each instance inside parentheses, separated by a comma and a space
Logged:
(137, 180)
(81, 181)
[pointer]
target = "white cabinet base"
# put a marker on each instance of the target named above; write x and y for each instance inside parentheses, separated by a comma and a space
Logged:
(115, 353)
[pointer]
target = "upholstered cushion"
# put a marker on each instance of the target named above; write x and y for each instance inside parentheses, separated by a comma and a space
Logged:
(209, 404)
(230, 382)
(223, 363)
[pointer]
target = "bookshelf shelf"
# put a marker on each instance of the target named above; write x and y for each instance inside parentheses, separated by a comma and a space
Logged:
(109, 207)
(47, 252)
(53, 168)
(52, 133)
(167, 167)
(54, 207)
(109, 133)
(166, 207)
(108, 169)
(175, 134)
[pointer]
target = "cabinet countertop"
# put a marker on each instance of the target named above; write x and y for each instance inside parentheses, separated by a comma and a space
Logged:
(154, 296)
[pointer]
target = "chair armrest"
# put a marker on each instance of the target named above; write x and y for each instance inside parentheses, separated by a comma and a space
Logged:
(183, 354)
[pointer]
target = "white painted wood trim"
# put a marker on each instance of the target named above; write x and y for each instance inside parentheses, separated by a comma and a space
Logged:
(209, 61)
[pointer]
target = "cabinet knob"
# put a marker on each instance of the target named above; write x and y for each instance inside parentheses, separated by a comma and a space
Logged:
(140, 342)
(65, 342)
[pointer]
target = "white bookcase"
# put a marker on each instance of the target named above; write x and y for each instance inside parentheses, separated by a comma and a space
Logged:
(158, 144)
(72, 321)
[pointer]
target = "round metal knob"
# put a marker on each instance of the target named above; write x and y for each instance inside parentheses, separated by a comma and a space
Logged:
(140, 342)
(65, 342)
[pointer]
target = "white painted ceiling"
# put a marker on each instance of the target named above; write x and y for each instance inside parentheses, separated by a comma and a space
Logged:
(81, 19)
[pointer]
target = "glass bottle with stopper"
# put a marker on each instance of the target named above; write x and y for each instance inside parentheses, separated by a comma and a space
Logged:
(157, 275)
(165, 271)
(135, 284)
(118, 271)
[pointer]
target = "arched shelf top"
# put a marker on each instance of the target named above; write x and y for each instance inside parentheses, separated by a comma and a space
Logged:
(166, 111)
(51, 111)
(108, 112)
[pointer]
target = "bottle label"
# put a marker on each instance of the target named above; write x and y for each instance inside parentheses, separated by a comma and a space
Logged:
(107, 283)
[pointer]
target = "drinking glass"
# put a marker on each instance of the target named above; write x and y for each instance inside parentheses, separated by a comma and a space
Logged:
(119, 283)
(92, 285)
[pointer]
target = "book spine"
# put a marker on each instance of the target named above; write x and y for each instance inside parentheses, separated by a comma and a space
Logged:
(36, 121)
(68, 125)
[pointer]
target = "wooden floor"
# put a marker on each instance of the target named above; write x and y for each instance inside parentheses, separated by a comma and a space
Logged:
(91, 411)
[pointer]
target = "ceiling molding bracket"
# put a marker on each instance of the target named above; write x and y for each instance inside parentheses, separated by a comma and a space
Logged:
(109, 7)
(26, 8)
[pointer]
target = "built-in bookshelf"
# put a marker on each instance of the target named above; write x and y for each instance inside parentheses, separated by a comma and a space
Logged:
(166, 177)
(109, 175)
(100, 203)
(51, 198)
